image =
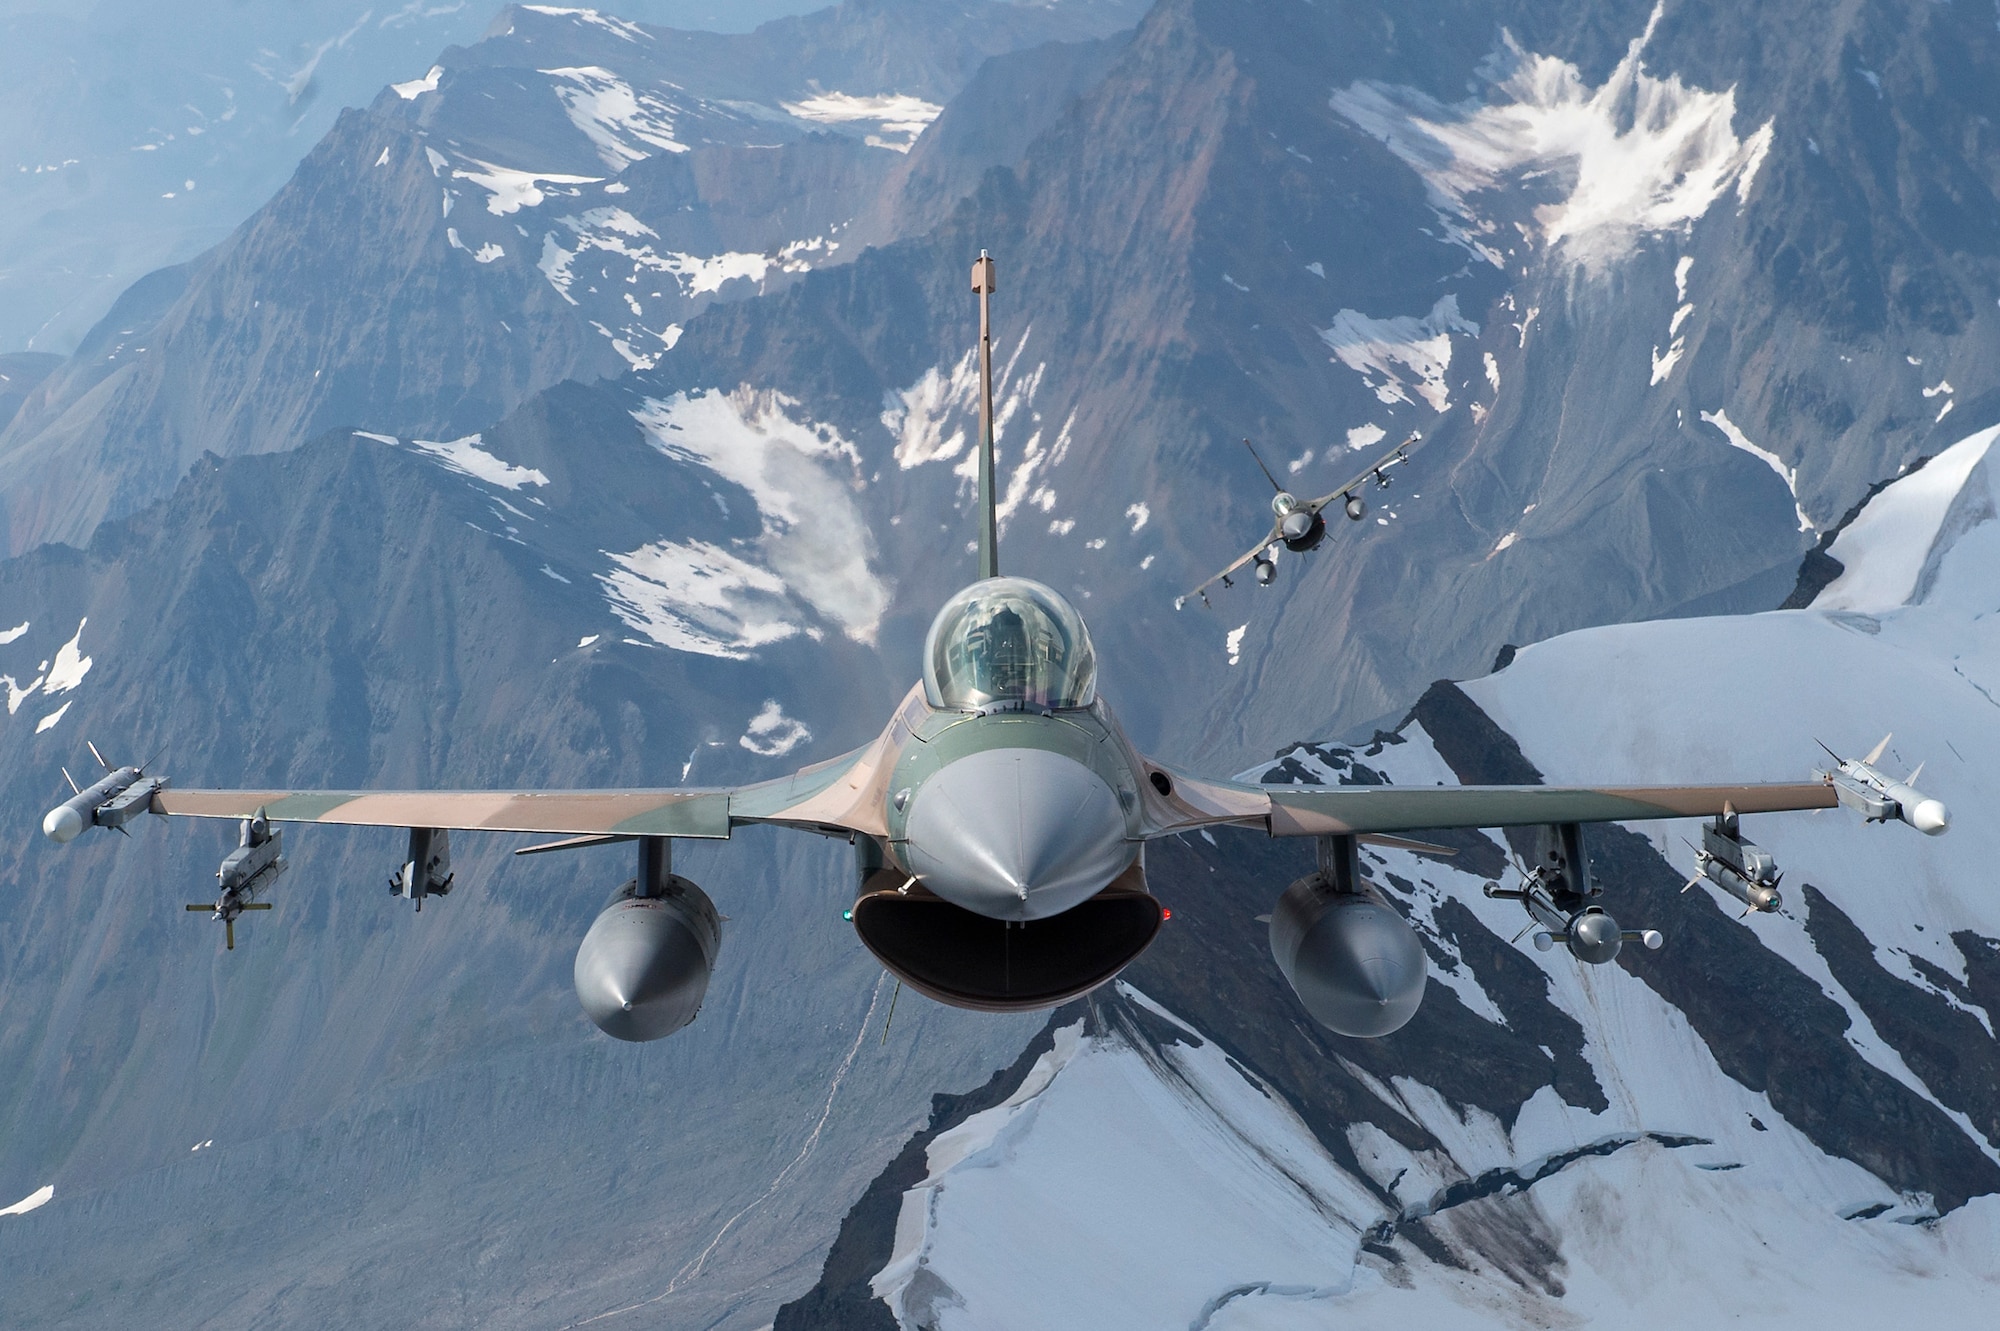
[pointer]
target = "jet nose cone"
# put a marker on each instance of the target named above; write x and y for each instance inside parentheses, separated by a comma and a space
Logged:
(1017, 834)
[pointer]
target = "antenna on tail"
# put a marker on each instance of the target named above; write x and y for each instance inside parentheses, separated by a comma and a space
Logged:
(989, 526)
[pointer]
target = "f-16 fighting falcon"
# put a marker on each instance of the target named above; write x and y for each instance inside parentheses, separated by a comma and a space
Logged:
(1296, 524)
(999, 824)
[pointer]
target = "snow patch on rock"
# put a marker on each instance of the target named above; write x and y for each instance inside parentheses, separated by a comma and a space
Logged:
(415, 88)
(772, 734)
(1737, 439)
(70, 665)
(509, 190)
(467, 458)
(803, 477)
(1382, 351)
(1636, 156)
(697, 597)
(899, 117)
(38, 1198)
(617, 27)
(624, 126)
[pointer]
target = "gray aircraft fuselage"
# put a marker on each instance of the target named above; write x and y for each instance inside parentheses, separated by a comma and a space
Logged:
(1009, 788)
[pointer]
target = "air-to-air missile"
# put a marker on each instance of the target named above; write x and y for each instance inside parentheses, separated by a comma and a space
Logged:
(121, 795)
(1862, 786)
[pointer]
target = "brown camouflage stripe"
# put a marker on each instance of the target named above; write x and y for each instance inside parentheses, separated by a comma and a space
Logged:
(682, 813)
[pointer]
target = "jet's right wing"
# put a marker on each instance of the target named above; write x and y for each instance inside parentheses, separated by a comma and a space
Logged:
(1376, 471)
(1191, 803)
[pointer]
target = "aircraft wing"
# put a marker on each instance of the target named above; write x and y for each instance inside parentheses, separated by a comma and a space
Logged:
(682, 813)
(832, 796)
(1241, 560)
(1373, 472)
(1338, 810)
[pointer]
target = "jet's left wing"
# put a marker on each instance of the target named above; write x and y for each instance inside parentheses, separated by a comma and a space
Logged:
(1270, 539)
(833, 796)
(1193, 802)
(681, 813)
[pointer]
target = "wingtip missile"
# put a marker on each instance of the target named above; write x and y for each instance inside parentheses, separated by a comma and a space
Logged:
(113, 800)
(1864, 787)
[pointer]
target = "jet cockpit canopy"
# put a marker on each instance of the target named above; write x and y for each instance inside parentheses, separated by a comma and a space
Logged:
(1009, 640)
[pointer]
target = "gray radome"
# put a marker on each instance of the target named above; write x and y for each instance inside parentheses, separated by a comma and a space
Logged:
(1017, 834)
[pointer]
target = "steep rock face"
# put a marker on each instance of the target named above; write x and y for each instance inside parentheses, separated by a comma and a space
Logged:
(552, 203)
(20, 371)
(1292, 206)
(1545, 237)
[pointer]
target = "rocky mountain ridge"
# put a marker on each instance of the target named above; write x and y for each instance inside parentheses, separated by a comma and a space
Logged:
(1552, 237)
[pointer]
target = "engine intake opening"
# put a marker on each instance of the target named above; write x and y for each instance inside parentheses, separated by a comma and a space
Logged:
(972, 961)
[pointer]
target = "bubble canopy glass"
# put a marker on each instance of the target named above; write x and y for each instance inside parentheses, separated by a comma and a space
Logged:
(1009, 640)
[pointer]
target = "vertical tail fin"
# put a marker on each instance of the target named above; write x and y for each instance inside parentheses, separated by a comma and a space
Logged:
(1261, 467)
(989, 526)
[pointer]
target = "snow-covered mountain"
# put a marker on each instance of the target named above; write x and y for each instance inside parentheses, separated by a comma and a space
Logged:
(1142, 1169)
(552, 202)
(134, 136)
(1669, 289)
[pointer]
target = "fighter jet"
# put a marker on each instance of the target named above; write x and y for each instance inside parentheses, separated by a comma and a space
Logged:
(1298, 525)
(999, 824)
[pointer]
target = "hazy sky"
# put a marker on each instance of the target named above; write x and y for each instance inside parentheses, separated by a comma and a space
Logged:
(136, 134)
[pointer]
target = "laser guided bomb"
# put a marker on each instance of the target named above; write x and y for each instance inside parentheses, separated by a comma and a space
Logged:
(1736, 864)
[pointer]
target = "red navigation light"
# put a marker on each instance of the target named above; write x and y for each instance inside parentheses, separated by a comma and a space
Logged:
(1165, 914)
